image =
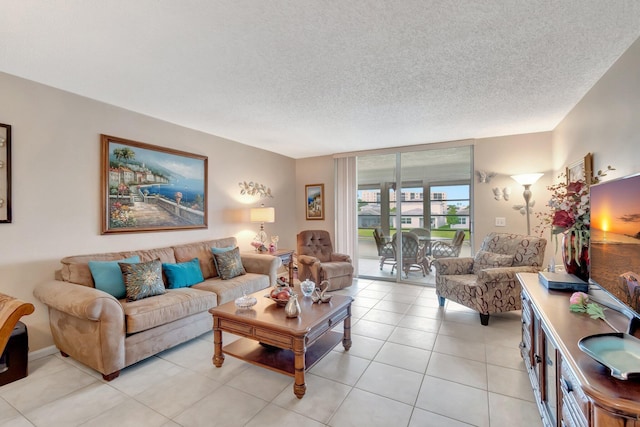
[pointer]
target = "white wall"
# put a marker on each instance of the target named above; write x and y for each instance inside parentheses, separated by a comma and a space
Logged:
(315, 170)
(506, 156)
(605, 122)
(56, 187)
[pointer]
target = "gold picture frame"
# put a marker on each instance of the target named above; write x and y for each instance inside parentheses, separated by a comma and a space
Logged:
(582, 169)
(314, 201)
(5, 173)
(145, 187)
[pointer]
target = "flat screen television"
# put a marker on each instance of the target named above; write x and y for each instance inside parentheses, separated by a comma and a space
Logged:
(615, 242)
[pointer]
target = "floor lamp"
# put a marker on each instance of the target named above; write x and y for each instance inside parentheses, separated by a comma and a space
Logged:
(527, 180)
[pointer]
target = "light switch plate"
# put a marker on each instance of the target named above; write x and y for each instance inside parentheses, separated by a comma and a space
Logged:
(501, 221)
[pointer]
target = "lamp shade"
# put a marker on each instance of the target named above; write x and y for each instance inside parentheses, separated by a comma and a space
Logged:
(263, 214)
(527, 178)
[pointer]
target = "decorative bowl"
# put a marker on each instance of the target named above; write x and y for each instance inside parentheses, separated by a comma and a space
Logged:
(280, 302)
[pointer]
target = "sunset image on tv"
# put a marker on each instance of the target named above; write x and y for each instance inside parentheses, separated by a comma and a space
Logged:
(615, 237)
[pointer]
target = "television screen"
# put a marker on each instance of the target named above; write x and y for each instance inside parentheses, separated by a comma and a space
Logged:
(615, 238)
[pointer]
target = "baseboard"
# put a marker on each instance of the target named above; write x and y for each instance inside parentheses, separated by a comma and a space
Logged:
(43, 352)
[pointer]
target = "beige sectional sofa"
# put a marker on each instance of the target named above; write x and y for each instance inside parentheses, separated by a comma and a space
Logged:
(108, 334)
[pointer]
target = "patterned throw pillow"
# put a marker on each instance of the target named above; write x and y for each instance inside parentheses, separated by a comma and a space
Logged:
(484, 259)
(142, 280)
(215, 251)
(229, 264)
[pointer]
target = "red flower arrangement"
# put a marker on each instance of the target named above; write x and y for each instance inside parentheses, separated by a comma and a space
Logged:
(570, 213)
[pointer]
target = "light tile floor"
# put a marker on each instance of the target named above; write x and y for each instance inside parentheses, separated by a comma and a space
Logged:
(411, 364)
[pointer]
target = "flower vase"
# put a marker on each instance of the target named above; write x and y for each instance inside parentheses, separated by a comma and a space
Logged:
(576, 260)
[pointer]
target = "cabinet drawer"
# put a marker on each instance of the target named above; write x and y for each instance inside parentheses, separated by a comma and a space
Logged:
(574, 395)
(571, 413)
(569, 417)
(236, 328)
(526, 309)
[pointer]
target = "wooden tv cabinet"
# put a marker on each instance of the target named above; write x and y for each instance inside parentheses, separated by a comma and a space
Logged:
(571, 389)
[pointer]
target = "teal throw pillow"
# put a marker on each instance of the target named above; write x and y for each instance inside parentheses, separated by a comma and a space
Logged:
(107, 276)
(229, 264)
(142, 280)
(183, 274)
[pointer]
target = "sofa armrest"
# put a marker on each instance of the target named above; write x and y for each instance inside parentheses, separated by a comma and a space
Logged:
(86, 324)
(78, 301)
(335, 256)
(308, 260)
(262, 264)
(446, 266)
(502, 274)
(309, 268)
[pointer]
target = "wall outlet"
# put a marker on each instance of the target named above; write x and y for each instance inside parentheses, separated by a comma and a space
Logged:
(501, 221)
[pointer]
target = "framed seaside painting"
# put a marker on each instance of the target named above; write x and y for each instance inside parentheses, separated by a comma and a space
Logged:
(315, 201)
(149, 188)
(582, 169)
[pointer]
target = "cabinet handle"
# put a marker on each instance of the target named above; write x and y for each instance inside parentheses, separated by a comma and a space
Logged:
(521, 345)
(537, 358)
(567, 385)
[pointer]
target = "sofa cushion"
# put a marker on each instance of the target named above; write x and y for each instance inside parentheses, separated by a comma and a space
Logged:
(162, 254)
(200, 250)
(460, 288)
(107, 276)
(182, 274)
(174, 304)
(485, 259)
(229, 290)
(142, 280)
(229, 264)
(75, 269)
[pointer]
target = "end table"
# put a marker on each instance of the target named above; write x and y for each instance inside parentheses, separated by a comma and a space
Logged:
(286, 255)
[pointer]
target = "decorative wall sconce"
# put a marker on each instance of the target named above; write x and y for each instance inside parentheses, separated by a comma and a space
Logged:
(254, 189)
(498, 194)
(5, 173)
(484, 177)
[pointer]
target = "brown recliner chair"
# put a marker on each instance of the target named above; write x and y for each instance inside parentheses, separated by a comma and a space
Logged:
(317, 261)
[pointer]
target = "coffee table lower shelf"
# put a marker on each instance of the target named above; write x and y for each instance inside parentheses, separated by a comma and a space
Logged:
(281, 360)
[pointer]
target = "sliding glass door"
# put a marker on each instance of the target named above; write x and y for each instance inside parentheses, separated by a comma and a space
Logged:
(426, 192)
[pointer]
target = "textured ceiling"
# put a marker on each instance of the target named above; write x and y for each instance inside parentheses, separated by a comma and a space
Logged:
(314, 77)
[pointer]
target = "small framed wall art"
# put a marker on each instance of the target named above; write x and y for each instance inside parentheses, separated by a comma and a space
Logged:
(582, 169)
(149, 188)
(315, 201)
(5, 173)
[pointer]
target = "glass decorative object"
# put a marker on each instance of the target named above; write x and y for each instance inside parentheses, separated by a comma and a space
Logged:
(245, 301)
(307, 287)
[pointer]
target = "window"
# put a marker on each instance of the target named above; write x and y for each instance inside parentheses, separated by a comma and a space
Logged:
(431, 189)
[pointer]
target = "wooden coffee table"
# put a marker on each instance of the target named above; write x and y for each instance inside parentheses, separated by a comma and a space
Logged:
(273, 341)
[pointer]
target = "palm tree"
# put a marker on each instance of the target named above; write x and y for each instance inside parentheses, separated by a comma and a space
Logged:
(124, 153)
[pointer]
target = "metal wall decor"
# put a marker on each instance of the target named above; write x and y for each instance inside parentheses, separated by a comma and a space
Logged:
(254, 189)
(5, 173)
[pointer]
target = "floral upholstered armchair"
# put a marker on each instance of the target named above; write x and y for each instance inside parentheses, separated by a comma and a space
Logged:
(487, 283)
